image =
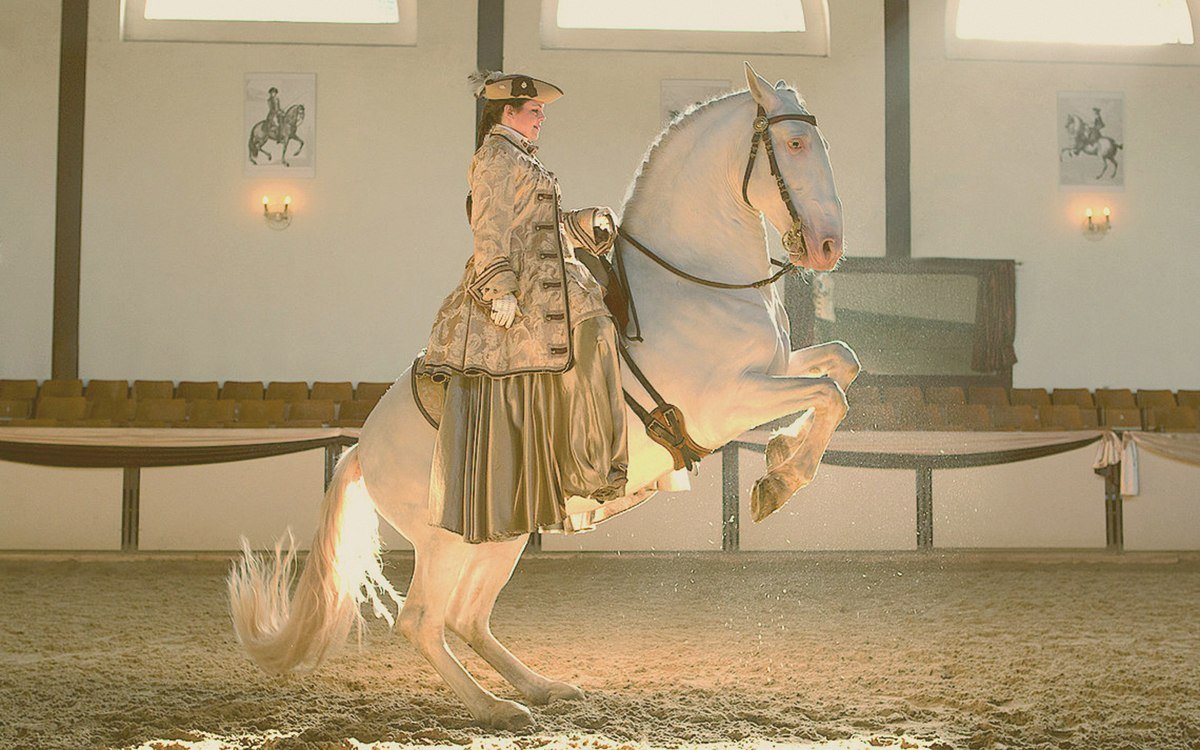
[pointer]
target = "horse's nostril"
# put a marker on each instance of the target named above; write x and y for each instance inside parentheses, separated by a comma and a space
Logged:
(827, 248)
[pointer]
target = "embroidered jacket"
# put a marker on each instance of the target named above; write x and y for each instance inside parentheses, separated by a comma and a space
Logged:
(519, 247)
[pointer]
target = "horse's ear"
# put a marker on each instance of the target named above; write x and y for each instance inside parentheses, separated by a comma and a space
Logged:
(761, 89)
(780, 84)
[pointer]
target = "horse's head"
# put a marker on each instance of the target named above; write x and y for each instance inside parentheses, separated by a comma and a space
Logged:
(1074, 124)
(805, 175)
(294, 114)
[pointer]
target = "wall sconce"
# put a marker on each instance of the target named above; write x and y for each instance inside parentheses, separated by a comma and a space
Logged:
(278, 219)
(1095, 230)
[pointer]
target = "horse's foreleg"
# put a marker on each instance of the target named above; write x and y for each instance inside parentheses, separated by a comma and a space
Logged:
(440, 559)
(297, 138)
(787, 394)
(488, 569)
(834, 360)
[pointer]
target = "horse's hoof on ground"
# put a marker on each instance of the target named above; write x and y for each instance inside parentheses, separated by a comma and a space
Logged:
(769, 495)
(560, 691)
(510, 716)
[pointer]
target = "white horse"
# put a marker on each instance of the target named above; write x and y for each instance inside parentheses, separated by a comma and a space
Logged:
(721, 355)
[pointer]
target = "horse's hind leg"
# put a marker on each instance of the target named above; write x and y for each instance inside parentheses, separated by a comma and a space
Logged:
(440, 559)
(488, 569)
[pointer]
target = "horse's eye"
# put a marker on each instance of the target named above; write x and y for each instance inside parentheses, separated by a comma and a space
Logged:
(795, 144)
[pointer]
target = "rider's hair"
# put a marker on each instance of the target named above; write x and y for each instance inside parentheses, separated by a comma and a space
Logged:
(492, 113)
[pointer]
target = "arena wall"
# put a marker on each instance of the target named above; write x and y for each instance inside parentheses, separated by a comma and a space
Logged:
(29, 31)
(985, 185)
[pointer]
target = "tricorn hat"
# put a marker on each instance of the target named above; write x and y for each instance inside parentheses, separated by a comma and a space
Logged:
(519, 86)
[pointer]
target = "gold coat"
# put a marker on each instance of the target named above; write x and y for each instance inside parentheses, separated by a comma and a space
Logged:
(519, 248)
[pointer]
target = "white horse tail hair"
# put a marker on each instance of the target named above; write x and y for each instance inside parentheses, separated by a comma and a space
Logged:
(285, 632)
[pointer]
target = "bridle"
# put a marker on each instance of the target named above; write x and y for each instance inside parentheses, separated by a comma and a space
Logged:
(665, 424)
(793, 239)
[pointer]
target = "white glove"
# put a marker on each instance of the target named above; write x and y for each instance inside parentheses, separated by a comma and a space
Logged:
(505, 310)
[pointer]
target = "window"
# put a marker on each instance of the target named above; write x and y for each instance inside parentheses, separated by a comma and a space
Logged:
(782, 27)
(682, 15)
(364, 22)
(298, 11)
(1118, 31)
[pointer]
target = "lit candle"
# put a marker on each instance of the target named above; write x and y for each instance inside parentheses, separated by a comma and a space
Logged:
(264, 204)
(1107, 216)
(1088, 213)
(287, 201)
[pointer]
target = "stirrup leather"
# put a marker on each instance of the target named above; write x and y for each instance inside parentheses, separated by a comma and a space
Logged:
(666, 427)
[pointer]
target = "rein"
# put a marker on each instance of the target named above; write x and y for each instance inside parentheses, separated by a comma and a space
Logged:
(665, 423)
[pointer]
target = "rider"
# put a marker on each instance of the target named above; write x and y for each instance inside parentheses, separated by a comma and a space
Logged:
(533, 412)
(274, 114)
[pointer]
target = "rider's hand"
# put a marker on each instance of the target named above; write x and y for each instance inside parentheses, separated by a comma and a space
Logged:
(505, 310)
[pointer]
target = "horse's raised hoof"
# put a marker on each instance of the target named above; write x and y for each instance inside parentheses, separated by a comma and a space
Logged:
(769, 495)
(557, 691)
(509, 715)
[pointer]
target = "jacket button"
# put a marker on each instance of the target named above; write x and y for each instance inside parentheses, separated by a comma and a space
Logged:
(558, 350)
(551, 284)
(544, 227)
(555, 316)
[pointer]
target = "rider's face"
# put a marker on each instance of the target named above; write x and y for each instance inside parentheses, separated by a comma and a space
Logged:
(527, 121)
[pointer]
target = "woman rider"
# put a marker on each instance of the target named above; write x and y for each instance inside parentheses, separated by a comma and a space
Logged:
(533, 410)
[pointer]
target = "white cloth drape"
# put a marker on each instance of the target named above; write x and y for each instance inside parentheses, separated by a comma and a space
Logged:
(1123, 449)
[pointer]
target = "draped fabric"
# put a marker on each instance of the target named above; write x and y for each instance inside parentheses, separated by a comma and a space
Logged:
(1123, 449)
(511, 451)
(996, 320)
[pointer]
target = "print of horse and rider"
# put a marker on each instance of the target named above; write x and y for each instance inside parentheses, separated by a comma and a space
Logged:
(279, 126)
(1088, 138)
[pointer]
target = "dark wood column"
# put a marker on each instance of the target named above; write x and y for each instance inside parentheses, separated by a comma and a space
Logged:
(489, 44)
(897, 143)
(72, 79)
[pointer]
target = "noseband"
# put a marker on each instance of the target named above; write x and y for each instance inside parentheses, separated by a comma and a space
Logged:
(794, 237)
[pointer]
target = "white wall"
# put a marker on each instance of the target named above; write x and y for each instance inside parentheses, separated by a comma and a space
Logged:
(596, 135)
(181, 277)
(29, 36)
(1118, 312)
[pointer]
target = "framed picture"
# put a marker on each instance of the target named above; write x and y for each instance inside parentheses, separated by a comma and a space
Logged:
(279, 125)
(678, 94)
(1091, 140)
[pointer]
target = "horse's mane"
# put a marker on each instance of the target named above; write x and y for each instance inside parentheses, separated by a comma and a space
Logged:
(678, 124)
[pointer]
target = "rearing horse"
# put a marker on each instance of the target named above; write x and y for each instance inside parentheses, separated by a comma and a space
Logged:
(720, 354)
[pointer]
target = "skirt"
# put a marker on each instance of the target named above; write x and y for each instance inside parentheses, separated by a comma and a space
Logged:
(511, 451)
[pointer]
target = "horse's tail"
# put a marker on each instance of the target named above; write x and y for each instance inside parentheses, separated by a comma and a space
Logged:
(284, 633)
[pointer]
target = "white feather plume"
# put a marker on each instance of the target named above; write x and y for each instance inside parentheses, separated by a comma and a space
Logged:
(481, 78)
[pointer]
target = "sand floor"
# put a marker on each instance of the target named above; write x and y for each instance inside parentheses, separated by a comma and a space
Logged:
(933, 650)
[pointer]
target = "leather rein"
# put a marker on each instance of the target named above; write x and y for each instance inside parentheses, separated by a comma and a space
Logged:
(665, 424)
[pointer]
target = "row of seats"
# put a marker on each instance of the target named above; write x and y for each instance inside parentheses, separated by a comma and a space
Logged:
(78, 411)
(191, 390)
(993, 407)
(1023, 417)
(1102, 398)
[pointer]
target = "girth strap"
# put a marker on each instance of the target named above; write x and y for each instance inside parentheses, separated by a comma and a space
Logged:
(664, 424)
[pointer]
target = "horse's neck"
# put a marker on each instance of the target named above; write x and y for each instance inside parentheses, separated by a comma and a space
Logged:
(687, 206)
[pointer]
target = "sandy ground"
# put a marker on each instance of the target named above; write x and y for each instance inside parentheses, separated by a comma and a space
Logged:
(817, 650)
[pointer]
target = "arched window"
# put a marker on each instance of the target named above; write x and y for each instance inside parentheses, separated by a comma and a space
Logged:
(369, 22)
(789, 27)
(1150, 31)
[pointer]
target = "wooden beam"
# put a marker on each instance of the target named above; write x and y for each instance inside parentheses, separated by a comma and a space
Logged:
(897, 141)
(72, 79)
